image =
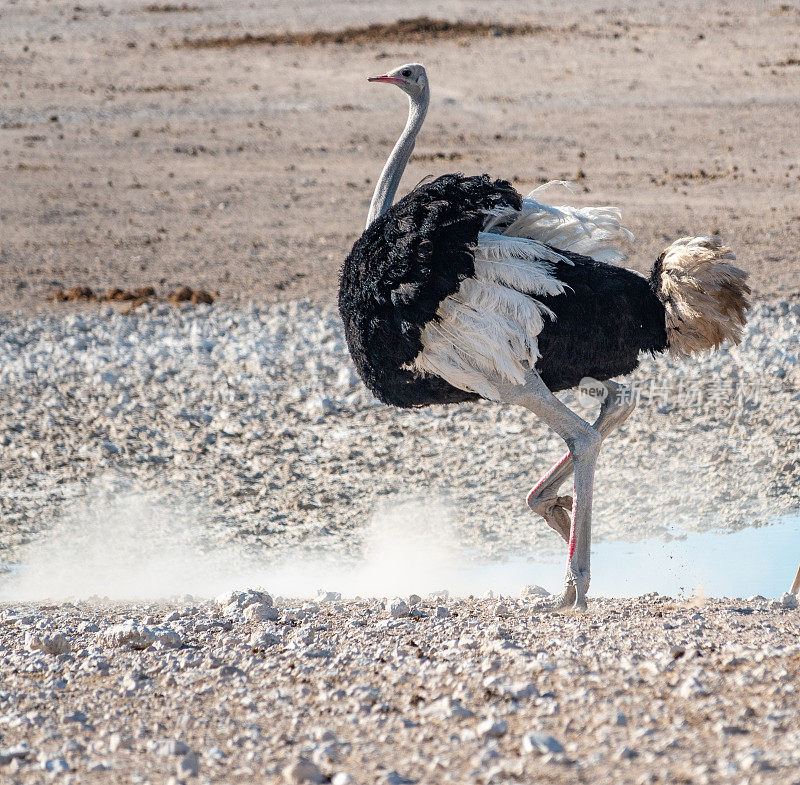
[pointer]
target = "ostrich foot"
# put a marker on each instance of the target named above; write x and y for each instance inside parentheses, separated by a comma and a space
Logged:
(569, 601)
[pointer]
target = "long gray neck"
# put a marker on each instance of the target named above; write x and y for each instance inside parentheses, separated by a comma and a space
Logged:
(389, 180)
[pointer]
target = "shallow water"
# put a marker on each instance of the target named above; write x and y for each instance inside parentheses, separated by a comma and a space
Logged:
(396, 560)
(741, 563)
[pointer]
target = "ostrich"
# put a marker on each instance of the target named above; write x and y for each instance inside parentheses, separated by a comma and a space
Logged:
(464, 290)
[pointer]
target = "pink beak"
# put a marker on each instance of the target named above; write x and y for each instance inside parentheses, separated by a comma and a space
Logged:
(385, 78)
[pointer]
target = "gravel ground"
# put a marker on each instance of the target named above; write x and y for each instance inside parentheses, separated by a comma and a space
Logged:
(142, 452)
(251, 425)
(244, 690)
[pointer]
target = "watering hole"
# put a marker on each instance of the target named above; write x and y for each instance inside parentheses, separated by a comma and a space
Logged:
(135, 547)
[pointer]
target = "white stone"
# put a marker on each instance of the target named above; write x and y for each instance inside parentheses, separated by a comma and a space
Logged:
(448, 708)
(53, 643)
(131, 682)
(519, 690)
(171, 747)
(130, 633)
(118, 741)
(320, 405)
(326, 754)
(541, 742)
(302, 771)
(347, 378)
(533, 591)
(260, 611)
(262, 639)
(187, 766)
(321, 733)
(241, 599)
(492, 728)
(690, 687)
(397, 607)
(167, 637)
(17, 752)
(54, 765)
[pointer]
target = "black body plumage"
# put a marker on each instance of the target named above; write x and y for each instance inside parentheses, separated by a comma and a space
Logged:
(604, 320)
(406, 262)
(417, 253)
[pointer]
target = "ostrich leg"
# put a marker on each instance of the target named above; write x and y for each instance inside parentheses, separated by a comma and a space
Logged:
(543, 498)
(583, 442)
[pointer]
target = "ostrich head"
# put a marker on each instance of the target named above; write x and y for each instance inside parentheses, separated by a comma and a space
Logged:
(411, 78)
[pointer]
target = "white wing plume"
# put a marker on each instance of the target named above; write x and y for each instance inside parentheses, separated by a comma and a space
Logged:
(489, 327)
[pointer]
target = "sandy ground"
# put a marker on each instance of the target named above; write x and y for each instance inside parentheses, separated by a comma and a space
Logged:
(129, 159)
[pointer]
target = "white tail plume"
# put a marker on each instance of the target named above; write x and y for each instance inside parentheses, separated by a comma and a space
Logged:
(704, 295)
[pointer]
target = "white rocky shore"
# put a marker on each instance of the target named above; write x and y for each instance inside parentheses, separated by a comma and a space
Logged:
(248, 689)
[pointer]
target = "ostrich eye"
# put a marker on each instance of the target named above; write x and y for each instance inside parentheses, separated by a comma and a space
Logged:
(406, 72)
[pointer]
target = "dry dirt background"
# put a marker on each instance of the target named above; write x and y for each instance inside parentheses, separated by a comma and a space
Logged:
(130, 158)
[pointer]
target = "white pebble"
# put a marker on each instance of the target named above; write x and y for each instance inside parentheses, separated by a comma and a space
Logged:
(541, 742)
(397, 607)
(261, 639)
(130, 633)
(171, 747)
(260, 611)
(533, 591)
(492, 728)
(187, 766)
(302, 771)
(118, 741)
(56, 643)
